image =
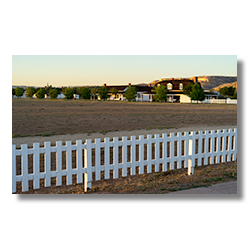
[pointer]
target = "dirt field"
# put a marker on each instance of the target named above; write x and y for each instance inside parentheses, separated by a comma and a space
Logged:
(33, 117)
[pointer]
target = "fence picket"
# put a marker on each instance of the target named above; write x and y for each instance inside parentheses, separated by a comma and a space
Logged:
(235, 144)
(69, 162)
(133, 150)
(157, 152)
(24, 148)
(59, 163)
(179, 149)
(106, 158)
(97, 160)
(206, 148)
(79, 160)
(149, 151)
(124, 156)
(47, 163)
(224, 145)
(164, 152)
(116, 155)
(171, 151)
(13, 168)
(88, 165)
(36, 160)
(186, 135)
(212, 147)
(218, 146)
(200, 148)
(229, 151)
(141, 154)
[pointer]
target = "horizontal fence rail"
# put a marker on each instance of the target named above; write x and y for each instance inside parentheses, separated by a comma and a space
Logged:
(95, 160)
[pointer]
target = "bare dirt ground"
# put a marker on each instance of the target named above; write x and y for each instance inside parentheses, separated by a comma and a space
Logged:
(43, 118)
(61, 120)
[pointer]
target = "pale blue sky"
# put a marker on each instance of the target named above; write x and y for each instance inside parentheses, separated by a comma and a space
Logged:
(115, 70)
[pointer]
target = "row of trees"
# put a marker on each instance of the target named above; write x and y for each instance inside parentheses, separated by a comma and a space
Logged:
(194, 91)
(226, 92)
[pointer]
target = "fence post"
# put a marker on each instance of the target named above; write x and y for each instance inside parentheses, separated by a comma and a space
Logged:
(88, 165)
(190, 153)
(13, 168)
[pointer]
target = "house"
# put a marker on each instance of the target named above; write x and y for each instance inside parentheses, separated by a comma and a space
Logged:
(143, 92)
(120, 96)
(175, 89)
(61, 96)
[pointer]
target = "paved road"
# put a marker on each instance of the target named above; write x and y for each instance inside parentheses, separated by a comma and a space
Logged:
(221, 188)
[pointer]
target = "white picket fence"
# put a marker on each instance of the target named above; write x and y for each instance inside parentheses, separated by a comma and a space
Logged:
(171, 151)
(214, 101)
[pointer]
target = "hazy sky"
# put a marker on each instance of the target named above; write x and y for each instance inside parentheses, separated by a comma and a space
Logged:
(114, 70)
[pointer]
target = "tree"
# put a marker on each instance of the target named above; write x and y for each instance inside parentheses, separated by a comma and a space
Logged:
(94, 90)
(227, 91)
(30, 91)
(40, 93)
(103, 93)
(161, 93)
(53, 93)
(19, 91)
(114, 91)
(68, 92)
(13, 91)
(130, 93)
(197, 93)
(187, 89)
(85, 93)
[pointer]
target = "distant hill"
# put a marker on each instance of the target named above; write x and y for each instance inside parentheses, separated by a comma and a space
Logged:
(233, 84)
(207, 82)
(210, 82)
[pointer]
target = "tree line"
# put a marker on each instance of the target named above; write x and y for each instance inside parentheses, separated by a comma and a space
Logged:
(194, 91)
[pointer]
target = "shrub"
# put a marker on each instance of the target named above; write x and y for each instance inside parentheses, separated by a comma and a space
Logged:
(85, 93)
(40, 93)
(53, 93)
(130, 93)
(68, 92)
(30, 92)
(103, 93)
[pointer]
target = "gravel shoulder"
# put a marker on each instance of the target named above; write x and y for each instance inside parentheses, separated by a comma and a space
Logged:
(73, 137)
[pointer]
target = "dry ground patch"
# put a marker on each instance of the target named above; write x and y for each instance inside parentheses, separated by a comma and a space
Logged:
(31, 117)
(154, 183)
